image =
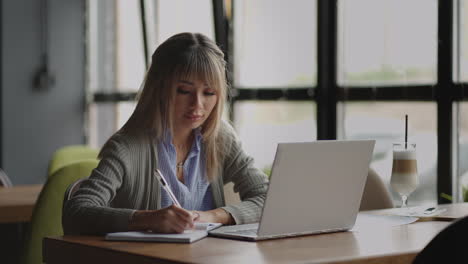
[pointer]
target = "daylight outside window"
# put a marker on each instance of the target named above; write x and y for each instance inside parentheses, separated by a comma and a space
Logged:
(115, 32)
(381, 44)
(461, 75)
(274, 48)
(261, 125)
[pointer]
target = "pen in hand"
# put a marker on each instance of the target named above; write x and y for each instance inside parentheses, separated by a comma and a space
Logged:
(166, 187)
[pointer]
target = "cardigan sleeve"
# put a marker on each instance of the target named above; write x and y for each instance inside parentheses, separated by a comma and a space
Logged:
(89, 210)
(250, 182)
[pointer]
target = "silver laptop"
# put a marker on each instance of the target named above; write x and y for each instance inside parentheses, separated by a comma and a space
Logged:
(315, 187)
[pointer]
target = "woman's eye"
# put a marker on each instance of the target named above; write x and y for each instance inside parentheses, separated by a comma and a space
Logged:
(182, 91)
(210, 93)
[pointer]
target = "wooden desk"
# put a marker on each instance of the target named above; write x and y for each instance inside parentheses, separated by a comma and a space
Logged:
(17, 203)
(372, 245)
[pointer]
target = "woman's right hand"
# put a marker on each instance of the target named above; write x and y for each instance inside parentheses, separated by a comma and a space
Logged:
(172, 219)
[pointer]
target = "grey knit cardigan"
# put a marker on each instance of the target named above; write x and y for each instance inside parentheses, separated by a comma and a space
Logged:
(124, 182)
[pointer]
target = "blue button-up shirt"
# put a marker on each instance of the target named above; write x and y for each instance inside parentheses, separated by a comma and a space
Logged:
(196, 193)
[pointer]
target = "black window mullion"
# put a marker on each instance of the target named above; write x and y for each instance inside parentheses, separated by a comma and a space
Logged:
(387, 93)
(114, 97)
(222, 32)
(463, 91)
(326, 94)
(221, 27)
(268, 94)
(444, 97)
(143, 31)
(1, 89)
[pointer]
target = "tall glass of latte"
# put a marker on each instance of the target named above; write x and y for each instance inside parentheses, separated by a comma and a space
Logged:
(404, 170)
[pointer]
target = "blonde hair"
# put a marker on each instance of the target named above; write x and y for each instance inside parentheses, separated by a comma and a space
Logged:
(185, 55)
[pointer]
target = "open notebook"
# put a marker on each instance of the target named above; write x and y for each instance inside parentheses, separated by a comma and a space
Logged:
(189, 236)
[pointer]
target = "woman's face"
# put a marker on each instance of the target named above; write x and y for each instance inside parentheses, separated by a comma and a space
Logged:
(194, 102)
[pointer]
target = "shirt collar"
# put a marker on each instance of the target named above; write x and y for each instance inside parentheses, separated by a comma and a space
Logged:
(167, 138)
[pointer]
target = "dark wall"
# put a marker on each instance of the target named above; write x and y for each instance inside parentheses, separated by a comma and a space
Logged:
(35, 123)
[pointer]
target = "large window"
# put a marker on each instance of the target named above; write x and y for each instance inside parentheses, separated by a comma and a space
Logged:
(304, 70)
(274, 52)
(382, 46)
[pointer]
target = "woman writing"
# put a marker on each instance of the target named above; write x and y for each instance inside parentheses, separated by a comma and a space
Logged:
(176, 127)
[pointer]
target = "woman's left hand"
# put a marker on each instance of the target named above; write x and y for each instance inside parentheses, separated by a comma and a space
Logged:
(214, 216)
(204, 216)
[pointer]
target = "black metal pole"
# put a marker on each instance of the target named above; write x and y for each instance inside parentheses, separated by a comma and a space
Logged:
(444, 97)
(222, 33)
(1, 87)
(326, 69)
(221, 27)
(143, 29)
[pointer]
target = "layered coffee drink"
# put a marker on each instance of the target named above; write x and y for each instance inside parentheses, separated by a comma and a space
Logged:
(404, 170)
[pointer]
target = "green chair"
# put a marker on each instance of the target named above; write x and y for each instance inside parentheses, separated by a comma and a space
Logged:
(47, 214)
(70, 154)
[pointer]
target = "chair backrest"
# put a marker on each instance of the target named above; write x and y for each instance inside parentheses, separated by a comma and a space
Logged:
(47, 214)
(4, 180)
(447, 245)
(70, 154)
(376, 195)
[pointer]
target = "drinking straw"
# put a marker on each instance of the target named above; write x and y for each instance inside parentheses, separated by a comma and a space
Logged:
(406, 131)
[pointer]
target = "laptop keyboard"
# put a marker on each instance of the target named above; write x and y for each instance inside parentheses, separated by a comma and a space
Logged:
(249, 232)
(241, 230)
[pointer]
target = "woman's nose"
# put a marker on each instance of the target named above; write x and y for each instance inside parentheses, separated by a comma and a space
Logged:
(197, 101)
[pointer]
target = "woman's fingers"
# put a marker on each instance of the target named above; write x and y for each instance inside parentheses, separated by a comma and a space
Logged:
(176, 219)
(185, 216)
(177, 227)
(195, 216)
(181, 211)
(167, 220)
